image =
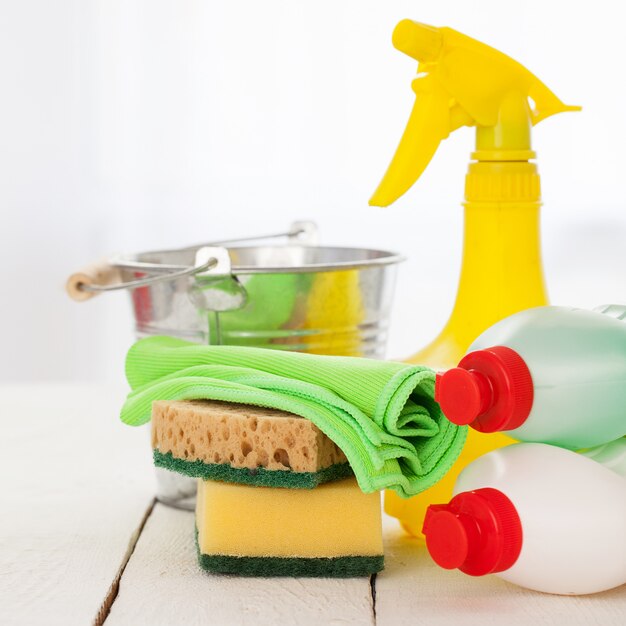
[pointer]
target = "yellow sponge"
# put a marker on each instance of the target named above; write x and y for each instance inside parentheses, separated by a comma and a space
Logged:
(332, 530)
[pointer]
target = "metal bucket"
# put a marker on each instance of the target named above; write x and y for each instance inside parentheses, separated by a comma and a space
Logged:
(298, 296)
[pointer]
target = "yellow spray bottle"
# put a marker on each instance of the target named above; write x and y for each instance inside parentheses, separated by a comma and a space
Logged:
(463, 82)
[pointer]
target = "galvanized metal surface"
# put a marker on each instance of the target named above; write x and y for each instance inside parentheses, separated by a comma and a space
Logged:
(295, 305)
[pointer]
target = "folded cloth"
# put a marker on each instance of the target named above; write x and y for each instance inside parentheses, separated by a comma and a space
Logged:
(382, 414)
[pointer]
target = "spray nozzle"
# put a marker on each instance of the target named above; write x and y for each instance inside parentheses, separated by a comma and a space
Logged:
(419, 41)
(463, 82)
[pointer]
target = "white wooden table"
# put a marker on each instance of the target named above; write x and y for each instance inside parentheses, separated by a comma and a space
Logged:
(82, 541)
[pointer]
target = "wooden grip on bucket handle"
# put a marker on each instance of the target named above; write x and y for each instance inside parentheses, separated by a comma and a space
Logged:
(100, 273)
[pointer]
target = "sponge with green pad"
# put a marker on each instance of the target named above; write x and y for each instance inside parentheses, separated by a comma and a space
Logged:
(333, 530)
(244, 444)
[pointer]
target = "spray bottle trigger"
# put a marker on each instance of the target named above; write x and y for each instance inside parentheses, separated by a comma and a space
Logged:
(428, 126)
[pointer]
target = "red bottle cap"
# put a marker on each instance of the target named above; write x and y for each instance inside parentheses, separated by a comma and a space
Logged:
(491, 390)
(478, 532)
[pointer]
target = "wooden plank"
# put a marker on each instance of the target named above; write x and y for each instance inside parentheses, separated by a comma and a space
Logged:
(163, 584)
(76, 486)
(413, 590)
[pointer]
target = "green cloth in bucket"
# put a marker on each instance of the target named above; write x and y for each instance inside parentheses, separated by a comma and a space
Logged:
(382, 414)
(269, 306)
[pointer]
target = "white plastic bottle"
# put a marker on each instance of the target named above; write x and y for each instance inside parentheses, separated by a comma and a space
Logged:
(548, 374)
(539, 516)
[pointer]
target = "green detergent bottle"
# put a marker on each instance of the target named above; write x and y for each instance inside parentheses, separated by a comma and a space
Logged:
(549, 374)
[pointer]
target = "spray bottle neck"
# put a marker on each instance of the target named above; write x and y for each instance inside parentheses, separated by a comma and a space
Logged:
(509, 139)
(502, 172)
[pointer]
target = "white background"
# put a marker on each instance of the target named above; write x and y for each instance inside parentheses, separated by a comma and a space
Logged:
(128, 125)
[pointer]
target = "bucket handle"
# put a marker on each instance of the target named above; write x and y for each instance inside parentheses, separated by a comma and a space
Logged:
(103, 276)
(89, 282)
(304, 233)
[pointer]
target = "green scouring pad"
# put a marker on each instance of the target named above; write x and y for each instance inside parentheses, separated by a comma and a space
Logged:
(260, 476)
(270, 566)
(338, 567)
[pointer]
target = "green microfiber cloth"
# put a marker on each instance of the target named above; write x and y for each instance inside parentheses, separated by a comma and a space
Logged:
(382, 414)
(260, 477)
(266, 566)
